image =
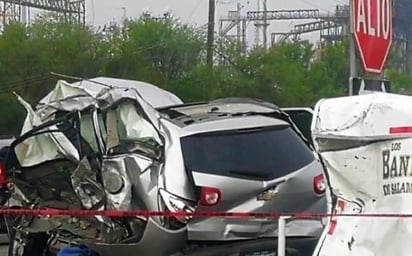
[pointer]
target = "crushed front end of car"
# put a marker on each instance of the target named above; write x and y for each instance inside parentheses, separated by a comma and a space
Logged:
(96, 145)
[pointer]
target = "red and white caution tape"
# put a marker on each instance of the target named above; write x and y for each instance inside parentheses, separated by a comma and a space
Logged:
(143, 213)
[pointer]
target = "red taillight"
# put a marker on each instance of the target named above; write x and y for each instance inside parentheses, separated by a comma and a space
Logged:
(210, 196)
(3, 179)
(319, 184)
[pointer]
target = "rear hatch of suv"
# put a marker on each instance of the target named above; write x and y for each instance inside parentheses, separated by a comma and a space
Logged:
(265, 168)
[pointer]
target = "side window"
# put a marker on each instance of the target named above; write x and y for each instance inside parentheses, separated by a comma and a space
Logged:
(303, 120)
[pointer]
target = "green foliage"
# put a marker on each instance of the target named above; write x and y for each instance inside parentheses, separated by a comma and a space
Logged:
(29, 54)
(329, 73)
(157, 51)
(169, 54)
(401, 83)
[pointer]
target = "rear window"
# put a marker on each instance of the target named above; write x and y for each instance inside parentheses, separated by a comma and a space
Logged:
(256, 154)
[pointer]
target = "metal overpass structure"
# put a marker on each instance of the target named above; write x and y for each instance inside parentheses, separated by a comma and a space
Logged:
(21, 10)
(332, 26)
(330, 23)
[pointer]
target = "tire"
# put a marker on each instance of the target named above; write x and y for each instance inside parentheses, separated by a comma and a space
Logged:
(35, 244)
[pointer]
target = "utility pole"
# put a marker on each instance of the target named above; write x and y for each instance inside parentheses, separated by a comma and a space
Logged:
(124, 13)
(239, 24)
(352, 50)
(265, 25)
(210, 33)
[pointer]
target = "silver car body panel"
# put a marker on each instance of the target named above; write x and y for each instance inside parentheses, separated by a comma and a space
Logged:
(292, 193)
(231, 124)
(175, 179)
(6, 142)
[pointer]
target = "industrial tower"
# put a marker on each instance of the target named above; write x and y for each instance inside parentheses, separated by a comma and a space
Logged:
(21, 10)
(332, 27)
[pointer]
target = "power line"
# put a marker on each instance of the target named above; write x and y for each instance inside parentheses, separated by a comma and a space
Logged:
(25, 85)
(16, 82)
(194, 9)
(314, 5)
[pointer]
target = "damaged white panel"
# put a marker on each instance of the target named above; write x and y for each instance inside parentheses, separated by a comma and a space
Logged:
(366, 116)
(372, 177)
(43, 147)
(32, 119)
(103, 93)
(64, 90)
(153, 95)
(36, 150)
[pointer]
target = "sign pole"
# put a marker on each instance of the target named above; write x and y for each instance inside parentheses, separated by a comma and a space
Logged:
(352, 50)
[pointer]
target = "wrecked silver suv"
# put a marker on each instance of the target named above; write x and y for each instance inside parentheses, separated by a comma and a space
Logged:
(106, 143)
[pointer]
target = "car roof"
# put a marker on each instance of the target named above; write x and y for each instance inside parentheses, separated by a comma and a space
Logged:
(225, 108)
(307, 109)
(232, 123)
(155, 96)
(6, 141)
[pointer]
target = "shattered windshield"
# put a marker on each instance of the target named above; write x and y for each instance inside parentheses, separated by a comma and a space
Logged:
(262, 154)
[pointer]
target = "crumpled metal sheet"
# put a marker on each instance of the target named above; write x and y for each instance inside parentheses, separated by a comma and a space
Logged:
(152, 94)
(103, 92)
(85, 184)
(117, 184)
(43, 147)
(100, 93)
(363, 116)
(140, 181)
(375, 177)
(96, 87)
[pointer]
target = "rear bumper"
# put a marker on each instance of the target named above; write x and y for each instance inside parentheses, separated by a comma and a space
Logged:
(224, 229)
(299, 246)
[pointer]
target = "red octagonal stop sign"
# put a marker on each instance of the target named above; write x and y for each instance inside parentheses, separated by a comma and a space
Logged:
(372, 24)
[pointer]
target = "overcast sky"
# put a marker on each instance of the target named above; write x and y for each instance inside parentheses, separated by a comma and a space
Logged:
(100, 12)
